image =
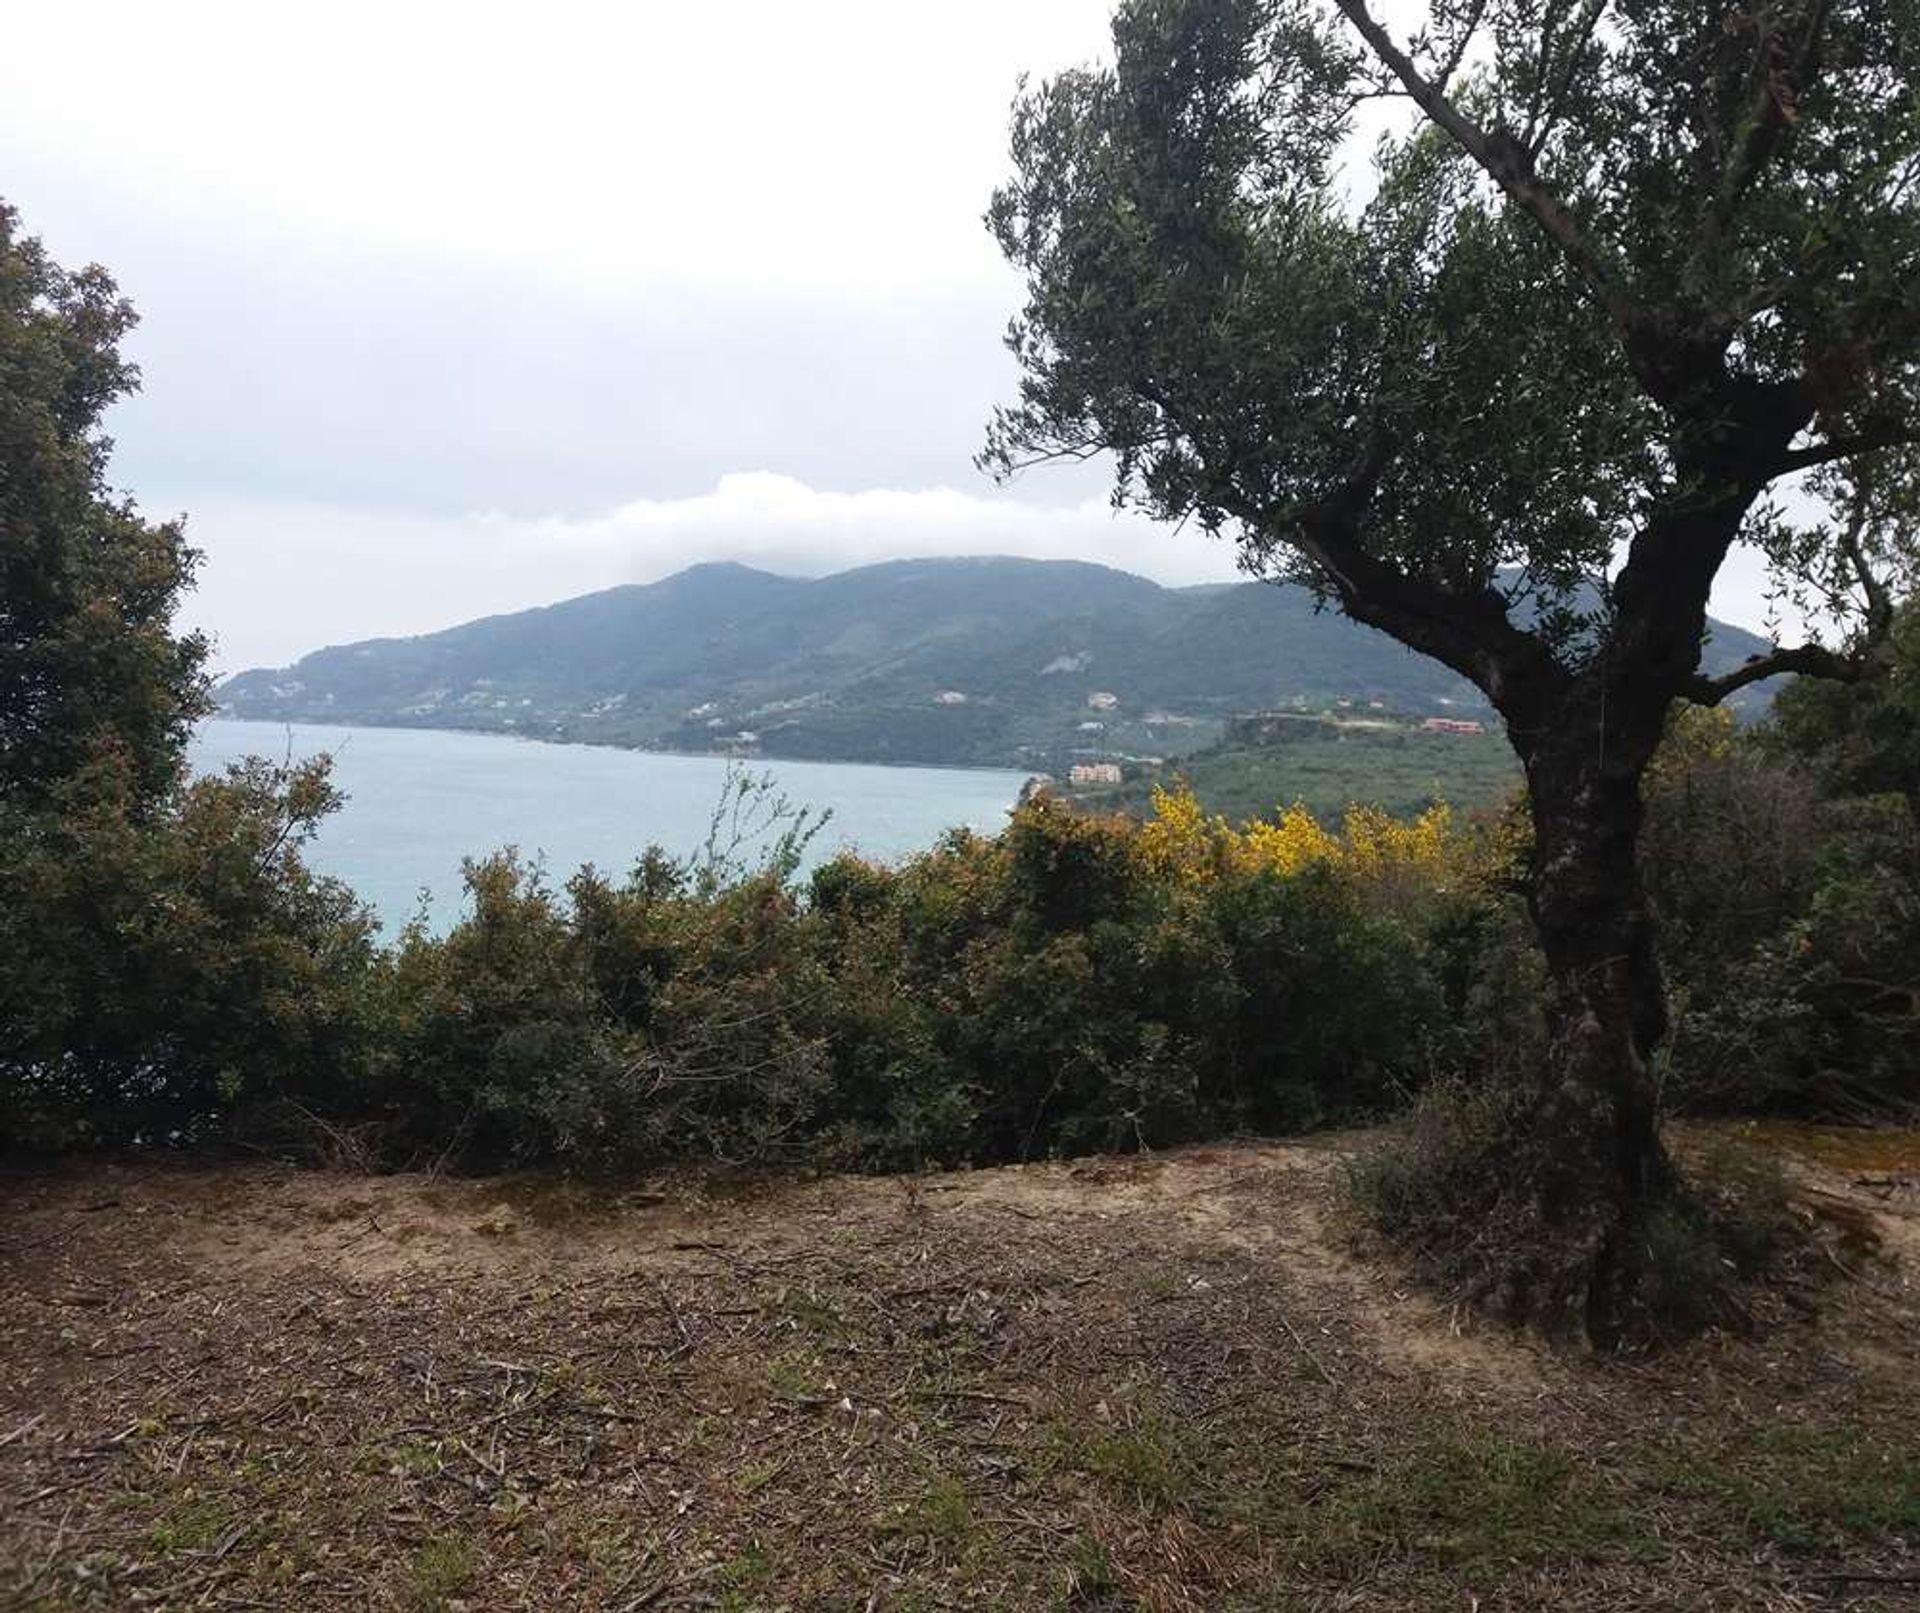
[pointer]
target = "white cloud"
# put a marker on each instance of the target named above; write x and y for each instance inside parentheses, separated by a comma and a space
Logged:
(282, 578)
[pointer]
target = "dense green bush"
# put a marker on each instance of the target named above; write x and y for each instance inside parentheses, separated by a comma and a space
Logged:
(163, 971)
(167, 963)
(1058, 987)
(1054, 990)
(1790, 919)
(1074, 983)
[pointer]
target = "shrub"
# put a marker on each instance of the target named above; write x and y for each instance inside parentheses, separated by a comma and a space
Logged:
(162, 970)
(1790, 932)
(495, 1036)
(1437, 1175)
(1074, 983)
(1455, 1187)
(1338, 1005)
(1084, 982)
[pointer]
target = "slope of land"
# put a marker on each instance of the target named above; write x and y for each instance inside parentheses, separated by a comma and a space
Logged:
(1014, 663)
(1327, 766)
(1161, 1383)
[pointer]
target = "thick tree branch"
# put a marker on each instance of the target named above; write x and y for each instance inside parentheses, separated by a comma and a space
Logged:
(1467, 631)
(1810, 660)
(1509, 164)
(1836, 448)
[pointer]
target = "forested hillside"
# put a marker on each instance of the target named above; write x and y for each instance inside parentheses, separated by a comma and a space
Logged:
(1326, 766)
(966, 661)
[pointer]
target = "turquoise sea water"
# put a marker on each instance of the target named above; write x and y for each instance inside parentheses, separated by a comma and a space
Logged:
(420, 799)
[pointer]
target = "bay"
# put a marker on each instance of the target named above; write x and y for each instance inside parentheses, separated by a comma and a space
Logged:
(419, 800)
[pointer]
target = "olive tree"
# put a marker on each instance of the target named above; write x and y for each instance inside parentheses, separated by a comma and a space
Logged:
(1626, 283)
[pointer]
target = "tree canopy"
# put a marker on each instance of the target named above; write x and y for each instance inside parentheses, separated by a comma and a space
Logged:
(89, 660)
(1627, 282)
(1627, 261)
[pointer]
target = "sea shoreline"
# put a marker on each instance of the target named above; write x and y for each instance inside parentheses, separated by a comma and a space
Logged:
(768, 757)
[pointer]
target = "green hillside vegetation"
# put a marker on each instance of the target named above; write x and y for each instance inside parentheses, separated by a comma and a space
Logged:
(580, 1301)
(1327, 767)
(965, 662)
(170, 967)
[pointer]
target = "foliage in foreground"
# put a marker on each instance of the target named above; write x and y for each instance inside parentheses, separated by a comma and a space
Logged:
(164, 953)
(1790, 913)
(1072, 983)
(1075, 983)
(166, 964)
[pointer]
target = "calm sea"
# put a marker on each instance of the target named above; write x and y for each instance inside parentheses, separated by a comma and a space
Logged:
(419, 800)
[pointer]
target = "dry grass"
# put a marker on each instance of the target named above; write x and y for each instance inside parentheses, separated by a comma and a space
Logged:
(1170, 1383)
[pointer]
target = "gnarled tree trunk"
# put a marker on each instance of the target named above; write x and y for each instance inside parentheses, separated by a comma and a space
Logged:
(1598, 1165)
(1598, 1170)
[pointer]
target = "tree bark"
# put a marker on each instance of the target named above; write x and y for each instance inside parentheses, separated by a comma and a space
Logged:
(1599, 1167)
(1599, 1163)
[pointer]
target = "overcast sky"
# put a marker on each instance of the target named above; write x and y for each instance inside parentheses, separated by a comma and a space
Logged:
(452, 309)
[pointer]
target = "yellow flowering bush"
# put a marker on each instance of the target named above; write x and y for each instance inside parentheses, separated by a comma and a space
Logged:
(1289, 844)
(1182, 842)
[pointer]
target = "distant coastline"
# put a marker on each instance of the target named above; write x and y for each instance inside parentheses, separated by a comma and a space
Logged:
(1004, 664)
(754, 758)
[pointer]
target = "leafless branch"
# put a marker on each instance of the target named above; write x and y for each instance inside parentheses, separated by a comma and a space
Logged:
(1461, 45)
(1053, 456)
(1878, 597)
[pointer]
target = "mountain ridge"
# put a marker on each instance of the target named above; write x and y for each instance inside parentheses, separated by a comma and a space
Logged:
(975, 660)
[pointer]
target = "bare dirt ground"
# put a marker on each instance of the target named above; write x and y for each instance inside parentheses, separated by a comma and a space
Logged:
(1173, 1382)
